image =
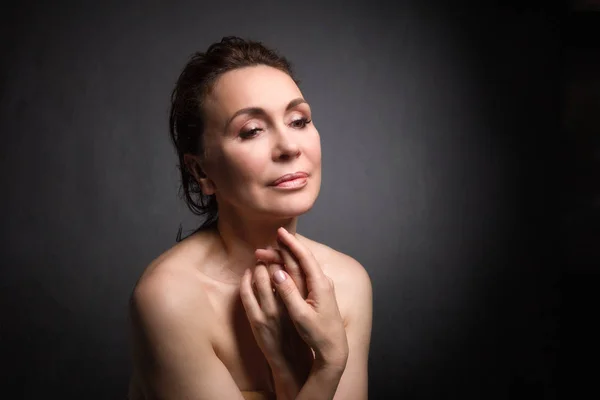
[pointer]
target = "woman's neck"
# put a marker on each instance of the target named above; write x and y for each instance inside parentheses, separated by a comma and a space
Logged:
(241, 237)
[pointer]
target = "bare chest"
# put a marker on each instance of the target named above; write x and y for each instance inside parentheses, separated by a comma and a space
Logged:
(234, 344)
(233, 340)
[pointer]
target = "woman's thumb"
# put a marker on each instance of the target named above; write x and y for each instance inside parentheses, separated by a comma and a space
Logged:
(287, 290)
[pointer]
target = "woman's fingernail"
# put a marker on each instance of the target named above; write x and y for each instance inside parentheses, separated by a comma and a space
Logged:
(279, 276)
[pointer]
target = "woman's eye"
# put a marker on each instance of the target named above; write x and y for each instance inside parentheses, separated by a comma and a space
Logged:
(300, 123)
(249, 133)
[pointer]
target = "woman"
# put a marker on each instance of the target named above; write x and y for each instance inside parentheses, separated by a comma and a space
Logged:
(246, 307)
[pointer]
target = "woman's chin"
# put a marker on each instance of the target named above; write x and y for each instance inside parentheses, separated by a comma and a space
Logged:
(293, 213)
(291, 210)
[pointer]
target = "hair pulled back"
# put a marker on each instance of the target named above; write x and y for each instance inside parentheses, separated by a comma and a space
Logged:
(187, 119)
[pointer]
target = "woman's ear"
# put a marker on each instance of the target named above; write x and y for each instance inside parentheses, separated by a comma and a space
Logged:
(194, 167)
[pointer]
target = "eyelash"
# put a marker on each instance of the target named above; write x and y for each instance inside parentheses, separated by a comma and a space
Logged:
(252, 132)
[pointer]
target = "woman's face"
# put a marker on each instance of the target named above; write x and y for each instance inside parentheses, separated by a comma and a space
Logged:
(259, 129)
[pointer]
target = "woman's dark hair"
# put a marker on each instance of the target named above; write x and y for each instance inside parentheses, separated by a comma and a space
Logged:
(186, 119)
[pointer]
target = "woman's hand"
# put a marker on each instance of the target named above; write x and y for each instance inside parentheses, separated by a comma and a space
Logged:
(283, 256)
(317, 318)
(312, 308)
(289, 357)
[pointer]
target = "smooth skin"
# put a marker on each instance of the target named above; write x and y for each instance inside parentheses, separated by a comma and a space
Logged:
(179, 331)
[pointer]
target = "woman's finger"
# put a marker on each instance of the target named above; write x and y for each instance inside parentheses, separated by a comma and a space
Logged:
(284, 256)
(273, 268)
(289, 294)
(248, 299)
(293, 269)
(307, 261)
(264, 289)
(268, 256)
(280, 306)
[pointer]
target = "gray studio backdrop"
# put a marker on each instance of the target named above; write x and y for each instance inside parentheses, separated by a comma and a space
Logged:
(432, 179)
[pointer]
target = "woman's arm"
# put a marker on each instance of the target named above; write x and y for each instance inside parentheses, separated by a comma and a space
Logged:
(173, 356)
(359, 315)
(322, 383)
(316, 318)
(320, 324)
(356, 290)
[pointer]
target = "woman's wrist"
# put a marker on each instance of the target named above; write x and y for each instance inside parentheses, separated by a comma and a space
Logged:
(332, 360)
(285, 383)
(323, 377)
(331, 366)
(322, 382)
(284, 379)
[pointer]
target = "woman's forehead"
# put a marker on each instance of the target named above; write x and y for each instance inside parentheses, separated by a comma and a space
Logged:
(258, 86)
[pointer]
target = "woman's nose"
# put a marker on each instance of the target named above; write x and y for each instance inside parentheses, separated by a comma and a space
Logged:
(286, 146)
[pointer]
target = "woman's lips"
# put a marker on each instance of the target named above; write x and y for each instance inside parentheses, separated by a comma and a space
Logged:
(293, 184)
(290, 178)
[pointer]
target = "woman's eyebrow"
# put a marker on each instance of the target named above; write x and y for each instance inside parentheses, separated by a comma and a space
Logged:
(261, 111)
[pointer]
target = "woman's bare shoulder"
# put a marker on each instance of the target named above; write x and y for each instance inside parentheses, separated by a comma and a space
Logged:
(172, 282)
(172, 321)
(353, 286)
(342, 268)
(185, 256)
